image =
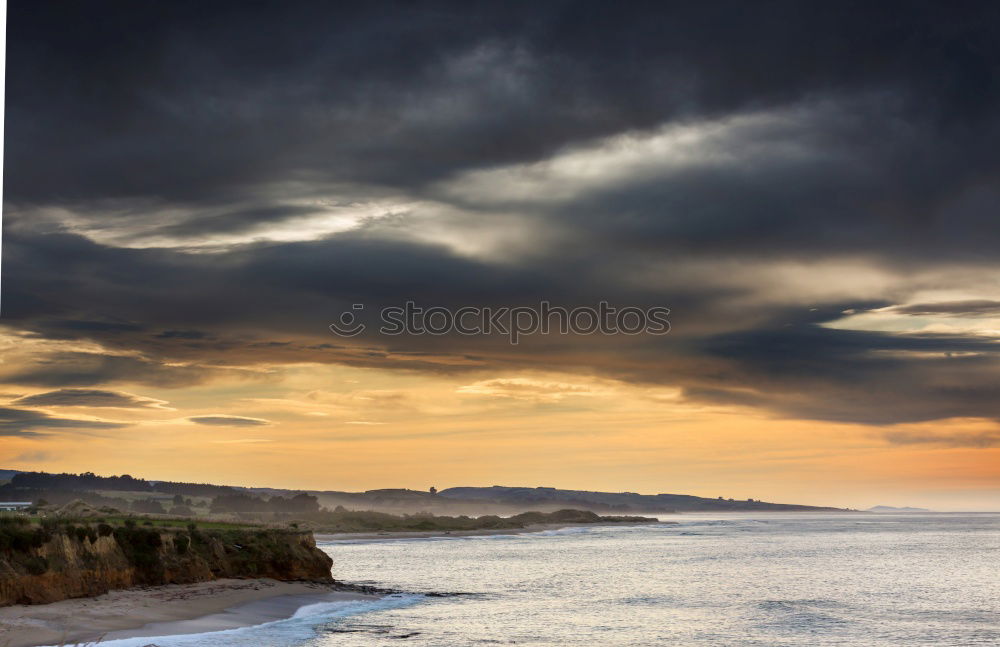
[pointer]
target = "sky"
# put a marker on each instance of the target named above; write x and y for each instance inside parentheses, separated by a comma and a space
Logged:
(194, 192)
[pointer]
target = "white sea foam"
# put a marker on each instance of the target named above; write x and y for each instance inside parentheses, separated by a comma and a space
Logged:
(278, 633)
(575, 530)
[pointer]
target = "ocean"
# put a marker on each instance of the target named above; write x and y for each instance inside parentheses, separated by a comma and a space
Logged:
(766, 580)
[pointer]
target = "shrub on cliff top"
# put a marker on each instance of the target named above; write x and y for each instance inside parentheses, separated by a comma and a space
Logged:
(141, 547)
(528, 518)
(13, 521)
(16, 538)
(86, 532)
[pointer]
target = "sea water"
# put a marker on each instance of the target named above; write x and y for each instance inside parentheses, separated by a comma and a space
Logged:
(722, 580)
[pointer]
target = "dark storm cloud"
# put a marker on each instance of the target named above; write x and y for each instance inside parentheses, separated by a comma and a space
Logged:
(855, 376)
(757, 134)
(181, 334)
(858, 175)
(24, 422)
(179, 99)
(228, 421)
(87, 398)
(93, 326)
(67, 369)
(787, 362)
(282, 289)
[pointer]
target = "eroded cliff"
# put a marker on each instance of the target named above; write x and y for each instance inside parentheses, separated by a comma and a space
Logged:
(39, 564)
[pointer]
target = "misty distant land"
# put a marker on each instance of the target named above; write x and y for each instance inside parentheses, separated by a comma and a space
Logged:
(501, 500)
(888, 509)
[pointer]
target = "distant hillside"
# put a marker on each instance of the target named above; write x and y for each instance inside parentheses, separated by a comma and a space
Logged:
(147, 496)
(889, 508)
(544, 496)
(6, 475)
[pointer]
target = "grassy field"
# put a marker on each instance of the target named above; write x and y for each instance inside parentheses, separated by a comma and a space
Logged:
(181, 522)
(120, 520)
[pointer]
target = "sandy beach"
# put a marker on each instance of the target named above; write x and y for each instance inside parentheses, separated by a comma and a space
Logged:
(164, 610)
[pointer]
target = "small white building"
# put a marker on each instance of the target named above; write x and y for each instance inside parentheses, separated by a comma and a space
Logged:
(14, 506)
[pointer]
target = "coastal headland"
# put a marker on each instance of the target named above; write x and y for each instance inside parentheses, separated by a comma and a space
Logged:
(53, 559)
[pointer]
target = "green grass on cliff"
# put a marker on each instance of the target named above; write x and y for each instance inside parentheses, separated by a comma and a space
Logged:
(181, 522)
(120, 520)
(19, 535)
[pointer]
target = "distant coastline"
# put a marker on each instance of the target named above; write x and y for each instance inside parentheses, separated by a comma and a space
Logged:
(888, 509)
(482, 532)
(127, 493)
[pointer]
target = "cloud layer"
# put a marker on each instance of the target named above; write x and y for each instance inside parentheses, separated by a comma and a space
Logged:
(228, 421)
(27, 422)
(196, 206)
(88, 398)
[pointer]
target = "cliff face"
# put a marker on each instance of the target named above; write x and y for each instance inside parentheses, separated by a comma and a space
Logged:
(55, 566)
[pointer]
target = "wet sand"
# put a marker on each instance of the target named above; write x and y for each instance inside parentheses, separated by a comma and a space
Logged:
(162, 610)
